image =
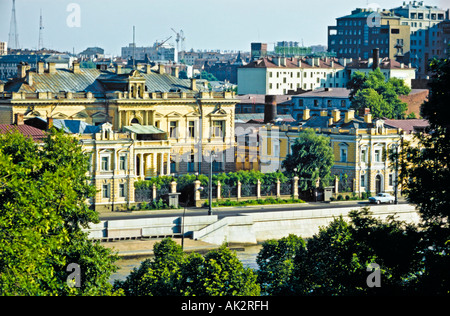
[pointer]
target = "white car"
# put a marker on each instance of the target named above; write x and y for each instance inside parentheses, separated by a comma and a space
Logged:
(382, 198)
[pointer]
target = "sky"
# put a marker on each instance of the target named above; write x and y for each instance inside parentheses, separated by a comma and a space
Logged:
(74, 25)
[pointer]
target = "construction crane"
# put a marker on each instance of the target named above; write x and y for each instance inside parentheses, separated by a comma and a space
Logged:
(180, 39)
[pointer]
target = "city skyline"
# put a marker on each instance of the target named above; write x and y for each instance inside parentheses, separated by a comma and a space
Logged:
(207, 25)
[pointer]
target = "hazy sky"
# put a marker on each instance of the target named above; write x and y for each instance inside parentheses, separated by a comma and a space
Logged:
(207, 24)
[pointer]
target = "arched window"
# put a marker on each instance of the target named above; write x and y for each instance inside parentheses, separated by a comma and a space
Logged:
(135, 121)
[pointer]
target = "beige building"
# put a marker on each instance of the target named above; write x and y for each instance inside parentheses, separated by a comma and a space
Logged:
(156, 123)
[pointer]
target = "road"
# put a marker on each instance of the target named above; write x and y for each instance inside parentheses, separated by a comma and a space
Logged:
(233, 211)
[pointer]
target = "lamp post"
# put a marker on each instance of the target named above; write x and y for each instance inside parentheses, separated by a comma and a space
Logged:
(212, 155)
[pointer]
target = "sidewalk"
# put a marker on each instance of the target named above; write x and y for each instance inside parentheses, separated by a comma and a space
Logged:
(144, 247)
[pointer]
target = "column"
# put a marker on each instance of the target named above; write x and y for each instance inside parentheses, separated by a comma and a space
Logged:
(141, 166)
(154, 166)
(239, 185)
(168, 163)
(197, 200)
(278, 188)
(219, 190)
(161, 164)
(258, 189)
(295, 187)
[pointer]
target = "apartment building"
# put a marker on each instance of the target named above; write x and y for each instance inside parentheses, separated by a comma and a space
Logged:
(3, 48)
(429, 32)
(355, 35)
(278, 75)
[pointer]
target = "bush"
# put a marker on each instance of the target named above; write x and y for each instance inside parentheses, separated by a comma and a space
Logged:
(340, 197)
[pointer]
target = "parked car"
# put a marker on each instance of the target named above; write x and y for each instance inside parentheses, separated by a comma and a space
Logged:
(382, 198)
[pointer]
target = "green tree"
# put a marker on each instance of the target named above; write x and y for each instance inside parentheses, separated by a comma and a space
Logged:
(426, 174)
(380, 96)
(334, 261)
(276, 264)
(43, 193)
(313, 158)
(171, 272)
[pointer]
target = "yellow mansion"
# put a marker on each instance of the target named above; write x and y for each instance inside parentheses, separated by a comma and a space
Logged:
(150, 122)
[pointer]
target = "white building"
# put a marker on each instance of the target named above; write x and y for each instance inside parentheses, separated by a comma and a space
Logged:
(390, 69)
(278, 75)
(157, 52)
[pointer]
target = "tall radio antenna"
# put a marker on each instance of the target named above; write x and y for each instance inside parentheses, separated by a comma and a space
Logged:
(13, 33)
(41, 38)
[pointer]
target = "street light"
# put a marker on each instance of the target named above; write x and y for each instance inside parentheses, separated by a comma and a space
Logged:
(211, 157)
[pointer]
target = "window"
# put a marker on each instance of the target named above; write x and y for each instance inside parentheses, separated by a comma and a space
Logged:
(191, 163)
(363, 180)
(122, 191)
(391, 179)
(122, 162)
(343, 154)
(173, 129)
(218, 129)
(191, 129)
(105, 163)
(105, 191)
(377, 155)
(363, 155)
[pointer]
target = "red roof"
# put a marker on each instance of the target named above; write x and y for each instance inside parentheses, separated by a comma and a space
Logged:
(29, 131)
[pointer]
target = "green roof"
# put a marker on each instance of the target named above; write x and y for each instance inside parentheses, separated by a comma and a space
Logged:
(143, 129)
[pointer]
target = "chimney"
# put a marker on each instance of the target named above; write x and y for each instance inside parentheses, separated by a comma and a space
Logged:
(270, 109)
(336, 115)
(324, 113)
(19, 118)
(118, 69)
(21, 70)
(175, 71)
(148, 69)
(76, 68)
(306, 115)
(368, 118)
(51, 68)
(49, 123)
(194, 84)
(330, 121)
(349, 115)
(363, 111)
(376, 58)
(161, 69)
(283, 61)
(2, 86)
(40, 67)
(29, 78)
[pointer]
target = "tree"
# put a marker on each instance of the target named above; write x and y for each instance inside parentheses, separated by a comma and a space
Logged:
(313, 158)
(276, 264)
(380, 96)
(334, 261)
(426, 174)
(171, 272)
(43, 193)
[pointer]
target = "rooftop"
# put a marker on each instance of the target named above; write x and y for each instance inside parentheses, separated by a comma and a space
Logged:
(28, 131)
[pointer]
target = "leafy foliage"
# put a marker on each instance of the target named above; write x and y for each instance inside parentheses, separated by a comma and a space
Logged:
(380, 96)
(43, 190)
(313, 158)
(171, 272)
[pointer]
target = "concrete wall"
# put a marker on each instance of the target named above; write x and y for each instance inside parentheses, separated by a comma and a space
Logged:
(249, 228)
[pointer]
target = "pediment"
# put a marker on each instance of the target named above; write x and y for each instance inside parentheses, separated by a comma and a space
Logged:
(81, 114)
(60, 116)
(174, 114)
(99, 114)
(218, 112)
(193, 113)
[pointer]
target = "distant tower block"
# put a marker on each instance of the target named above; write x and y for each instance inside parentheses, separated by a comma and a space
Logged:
(13, 32)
